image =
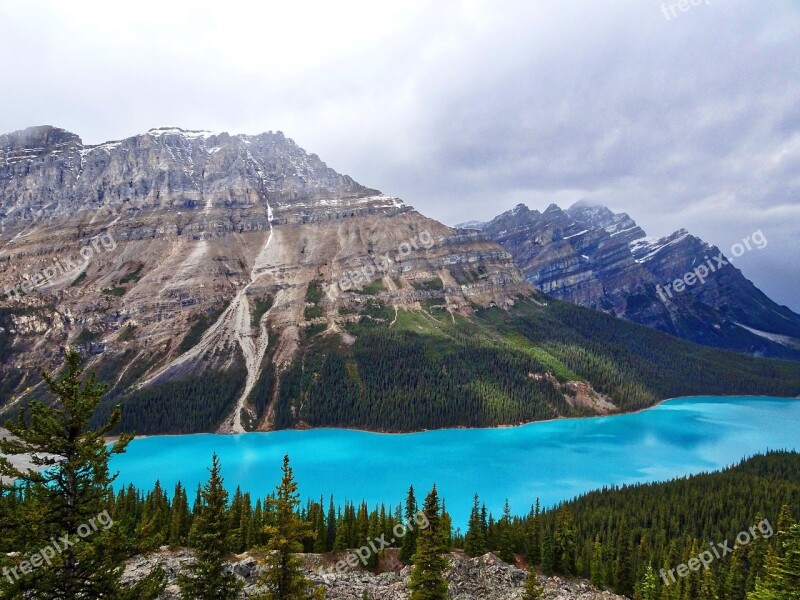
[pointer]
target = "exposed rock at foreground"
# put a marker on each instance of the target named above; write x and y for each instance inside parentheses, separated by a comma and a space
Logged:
(483, 578)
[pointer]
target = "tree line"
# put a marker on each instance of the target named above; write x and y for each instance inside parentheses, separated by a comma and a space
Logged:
(620, 538)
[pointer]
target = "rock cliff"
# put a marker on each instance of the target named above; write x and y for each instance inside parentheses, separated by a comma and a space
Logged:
(174, 252)
(591, 256)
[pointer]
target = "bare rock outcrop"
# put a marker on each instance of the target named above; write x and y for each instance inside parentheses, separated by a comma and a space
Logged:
(482, 578)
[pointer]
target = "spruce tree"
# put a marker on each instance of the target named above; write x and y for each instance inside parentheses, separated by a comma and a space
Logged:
(207, 576)
(533, 587)
(409, 544)
(427, 580)
(597, 569)
(180, 519)
(708, 587)
(785, 522)
(70, 496)
(789, 565)
(564, 542)
(782, 581)
(648, 585)
(320, 541)
(548, 554)
(475, 540)
(505, 541)
(534, 541)
(284, 578)
(623, 568)
(735, 581)
(331, 526)
(447, 527)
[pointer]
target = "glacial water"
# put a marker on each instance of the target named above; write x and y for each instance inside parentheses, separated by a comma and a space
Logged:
(552, 460)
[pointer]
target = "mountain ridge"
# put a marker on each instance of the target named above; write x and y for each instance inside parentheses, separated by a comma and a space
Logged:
(596, 258)
(237, 283)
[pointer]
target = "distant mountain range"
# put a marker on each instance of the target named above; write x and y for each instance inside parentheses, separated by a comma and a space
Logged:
(593, 257)
(233, 282)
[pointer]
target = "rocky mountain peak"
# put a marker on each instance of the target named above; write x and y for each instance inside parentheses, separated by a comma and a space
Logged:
(597, 258)
(248, 235)
(35, 144)
(44, 136)
(590, 213)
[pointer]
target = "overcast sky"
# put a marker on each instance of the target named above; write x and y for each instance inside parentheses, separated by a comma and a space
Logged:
(463, 109)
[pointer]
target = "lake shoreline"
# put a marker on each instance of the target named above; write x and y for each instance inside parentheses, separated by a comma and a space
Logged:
(557, 461)
(111, 439)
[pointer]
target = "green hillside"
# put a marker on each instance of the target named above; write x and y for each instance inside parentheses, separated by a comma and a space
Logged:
(429, 369)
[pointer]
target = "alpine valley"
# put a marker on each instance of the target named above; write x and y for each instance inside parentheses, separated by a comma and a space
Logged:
(235, 282)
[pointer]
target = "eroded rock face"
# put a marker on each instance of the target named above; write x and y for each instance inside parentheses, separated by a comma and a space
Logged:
(119, 249)
(482, 578)
(591, 256)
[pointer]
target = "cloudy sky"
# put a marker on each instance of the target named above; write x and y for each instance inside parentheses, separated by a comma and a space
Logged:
(462, 108)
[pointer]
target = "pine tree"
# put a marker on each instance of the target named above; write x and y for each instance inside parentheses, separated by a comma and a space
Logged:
(235, 533)
(180, 519)
(597, 570)
(506, 543)
(71, 494)
(734, 582)
(533, 587)
(427, 581)
(447, 527)
(245, 523)
(153, 529)
(648, 585)
(782, 581)
(408, 546)
(331, 533)
(789, 565)
(708, 587)
(207, 576)
(623, 568)
(548, 554)
(374, 525)
(564, 541)
(256, 535)
(785, 522)
(475, 540)
(321, 530)
(284, 578)
(534, 545)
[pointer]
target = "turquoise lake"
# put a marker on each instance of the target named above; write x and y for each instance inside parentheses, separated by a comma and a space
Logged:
(554, 460)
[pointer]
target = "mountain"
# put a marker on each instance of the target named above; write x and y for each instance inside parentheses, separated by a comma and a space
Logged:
(236, 282)
(593, 257)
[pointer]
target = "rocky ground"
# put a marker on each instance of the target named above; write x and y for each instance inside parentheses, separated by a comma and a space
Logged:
(482, 578)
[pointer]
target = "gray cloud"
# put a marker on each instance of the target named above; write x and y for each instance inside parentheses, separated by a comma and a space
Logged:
(462, 108)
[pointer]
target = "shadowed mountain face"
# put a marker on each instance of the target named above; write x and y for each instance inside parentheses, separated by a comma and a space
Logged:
(590, 256)
(234, 282)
